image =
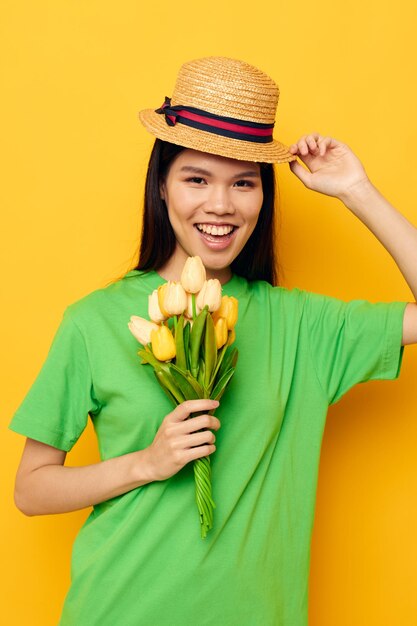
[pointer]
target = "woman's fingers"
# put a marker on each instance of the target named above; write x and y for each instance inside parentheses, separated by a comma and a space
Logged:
(197, 423)
(179, 440)
(314, 143)
(198, 439)
(311, 141)
(305, 143)
(183, 410)
(324, 143)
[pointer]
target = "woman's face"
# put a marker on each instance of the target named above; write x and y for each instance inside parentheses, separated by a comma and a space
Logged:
(213, 205)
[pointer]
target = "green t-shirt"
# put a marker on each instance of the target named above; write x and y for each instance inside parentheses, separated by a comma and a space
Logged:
(139, 559)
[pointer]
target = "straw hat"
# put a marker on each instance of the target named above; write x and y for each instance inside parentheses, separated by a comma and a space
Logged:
(223, 106)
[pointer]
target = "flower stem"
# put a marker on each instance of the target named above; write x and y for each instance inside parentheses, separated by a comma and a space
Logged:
(194, 309)
(219, 362)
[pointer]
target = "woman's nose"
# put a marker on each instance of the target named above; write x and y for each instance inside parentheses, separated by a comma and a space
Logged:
(219, 201)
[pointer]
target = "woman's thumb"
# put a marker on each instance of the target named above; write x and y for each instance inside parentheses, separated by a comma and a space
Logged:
(300, 172)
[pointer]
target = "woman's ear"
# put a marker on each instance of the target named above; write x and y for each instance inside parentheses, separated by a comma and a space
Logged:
(162, 190)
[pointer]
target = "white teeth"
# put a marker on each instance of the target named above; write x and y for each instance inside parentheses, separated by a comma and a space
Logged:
(215, 230)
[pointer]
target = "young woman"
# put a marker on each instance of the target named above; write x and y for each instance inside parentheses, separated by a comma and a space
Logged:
(139, 558)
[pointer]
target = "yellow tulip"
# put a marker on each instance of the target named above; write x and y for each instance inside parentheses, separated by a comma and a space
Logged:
(163, 343)
(175, 298)
(154, 310)
(229, 310)
(220, 330)
(210, 294)
(193, 274)
(232, 337)
(141, 329)
(161, 299)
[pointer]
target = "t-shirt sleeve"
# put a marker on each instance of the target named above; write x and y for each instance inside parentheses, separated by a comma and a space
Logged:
(353, 342)
(55, 409)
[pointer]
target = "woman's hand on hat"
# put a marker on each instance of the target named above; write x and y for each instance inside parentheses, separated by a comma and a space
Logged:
(333, 168)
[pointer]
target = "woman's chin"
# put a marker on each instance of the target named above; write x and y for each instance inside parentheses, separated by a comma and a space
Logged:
(217, 261)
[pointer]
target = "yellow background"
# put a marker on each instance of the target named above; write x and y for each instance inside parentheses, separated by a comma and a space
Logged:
(73, 162)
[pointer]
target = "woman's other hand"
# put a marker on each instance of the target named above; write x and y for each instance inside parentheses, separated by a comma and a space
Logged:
(172, 447)
(333, 168)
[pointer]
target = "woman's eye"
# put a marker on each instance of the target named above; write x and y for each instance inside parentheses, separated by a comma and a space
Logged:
(240, 183)
(247, 183)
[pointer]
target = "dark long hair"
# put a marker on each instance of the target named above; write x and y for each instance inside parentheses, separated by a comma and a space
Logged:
(256, 261)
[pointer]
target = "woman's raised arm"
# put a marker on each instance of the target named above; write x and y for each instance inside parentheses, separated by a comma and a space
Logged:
(336, 171)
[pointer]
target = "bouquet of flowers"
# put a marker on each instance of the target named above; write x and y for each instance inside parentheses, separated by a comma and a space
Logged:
(186, 341)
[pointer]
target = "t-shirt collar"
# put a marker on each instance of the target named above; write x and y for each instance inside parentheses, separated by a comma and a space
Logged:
(233, 287)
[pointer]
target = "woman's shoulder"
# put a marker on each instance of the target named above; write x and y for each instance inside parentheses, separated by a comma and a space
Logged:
(275, 292)
(133, 285)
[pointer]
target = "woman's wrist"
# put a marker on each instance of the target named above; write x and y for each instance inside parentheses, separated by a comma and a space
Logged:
(355, 196)
(142, 469)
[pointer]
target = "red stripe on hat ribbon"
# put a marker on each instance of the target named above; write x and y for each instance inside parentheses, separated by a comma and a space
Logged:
(259, 132)
(172, 113)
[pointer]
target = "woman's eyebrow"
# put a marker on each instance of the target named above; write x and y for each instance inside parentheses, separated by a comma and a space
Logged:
(199, 170)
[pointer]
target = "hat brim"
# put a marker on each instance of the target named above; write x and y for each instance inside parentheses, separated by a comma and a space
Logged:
(196, 139)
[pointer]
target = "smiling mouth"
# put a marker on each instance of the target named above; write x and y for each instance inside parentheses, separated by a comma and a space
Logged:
(216, 231)
(219, 241)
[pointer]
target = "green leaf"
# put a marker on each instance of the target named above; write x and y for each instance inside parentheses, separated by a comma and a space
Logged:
(197, 387)
(184, 385)
(201, 371)
(210, 350)
(166, 390)
(218, 390)
(169, 384)
(180, 358)
(196, 339)
(234, 357)
(186, 338)
(148, 357)
(229, 359)
(220, 357)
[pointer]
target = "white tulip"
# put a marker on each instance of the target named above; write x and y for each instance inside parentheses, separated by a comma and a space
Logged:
(141, 329)
(154, 310)
(193, 274)
(210, 294)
